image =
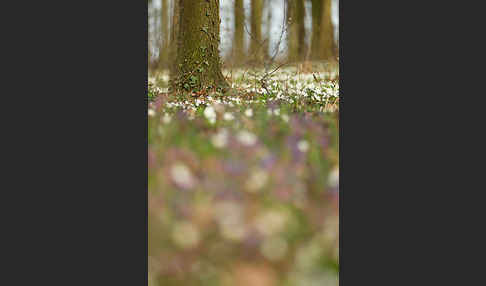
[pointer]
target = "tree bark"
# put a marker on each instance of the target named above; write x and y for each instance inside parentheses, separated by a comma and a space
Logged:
(164, 28)
(316, 23)
(322, 43)
(174, 39)
(327, 32)
(267, 54)
(256, 47)
(238, 40)
(296, 30)
(198, 60)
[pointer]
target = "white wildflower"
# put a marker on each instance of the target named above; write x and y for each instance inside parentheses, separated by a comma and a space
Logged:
(151, 113)
(285, 117)
(303, 146)
(271, 222)
(246, 138)
(165, 77)
(182, 176)
(166, 119)
(249, 112)
(231, 220)
(210, 114)
(334, 177)
(220, 139)
(257, 180)
(228, 116)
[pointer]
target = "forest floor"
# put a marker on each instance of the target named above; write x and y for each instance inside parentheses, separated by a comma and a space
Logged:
(243, 188)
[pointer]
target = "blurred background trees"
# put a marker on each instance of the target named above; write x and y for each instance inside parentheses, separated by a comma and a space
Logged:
(253, 32)
(164, 35)
(238, 46)
(256, 43)
(296, 47)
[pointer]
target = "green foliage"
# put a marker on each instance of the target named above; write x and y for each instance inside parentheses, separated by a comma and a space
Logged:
(152, 94)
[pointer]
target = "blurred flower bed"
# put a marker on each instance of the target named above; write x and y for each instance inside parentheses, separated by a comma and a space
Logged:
(243, 188)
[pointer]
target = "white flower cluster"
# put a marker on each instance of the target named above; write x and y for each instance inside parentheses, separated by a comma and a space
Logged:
(286, 85)
(210, 114)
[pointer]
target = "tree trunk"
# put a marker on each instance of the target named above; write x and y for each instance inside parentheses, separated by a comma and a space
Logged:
(150, 33)
(327, 32)
(238, 41)
(316, 24)
(164, 28)
(322, 44)
(198, 60)
(256, 48)
(296, 30)
(266, 42)
(174, 38)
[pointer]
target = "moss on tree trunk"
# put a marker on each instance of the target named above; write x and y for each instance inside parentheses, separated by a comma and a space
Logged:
(198, 62)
